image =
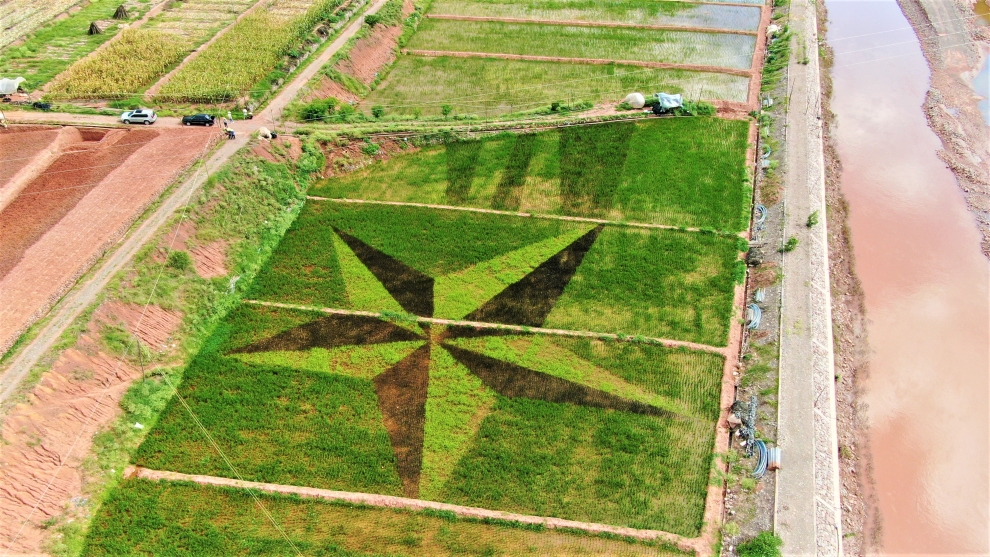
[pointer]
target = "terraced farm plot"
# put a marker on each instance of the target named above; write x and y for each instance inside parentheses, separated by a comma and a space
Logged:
(167, 518)
(680, 172)
(603, 43)
(630, 12)
(57, 45)
(237, 61)
(423, 85)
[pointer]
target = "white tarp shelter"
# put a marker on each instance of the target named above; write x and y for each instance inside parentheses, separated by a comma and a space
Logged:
(9, 86)
(667, 102)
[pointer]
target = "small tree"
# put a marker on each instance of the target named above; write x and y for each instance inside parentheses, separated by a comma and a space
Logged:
(446, 110)
(791, 245)
(378, 111)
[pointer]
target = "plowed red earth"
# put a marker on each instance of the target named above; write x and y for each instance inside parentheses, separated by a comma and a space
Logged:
(46, 439)
(54, 193)
(70, 214)
(19, 146)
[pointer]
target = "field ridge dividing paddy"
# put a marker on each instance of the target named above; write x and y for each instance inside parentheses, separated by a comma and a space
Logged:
(743, 234)
(391, 501)
(592, 61)
(580, 23)
(666, 342)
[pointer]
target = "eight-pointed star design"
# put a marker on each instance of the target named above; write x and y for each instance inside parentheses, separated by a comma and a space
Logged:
(402, 389)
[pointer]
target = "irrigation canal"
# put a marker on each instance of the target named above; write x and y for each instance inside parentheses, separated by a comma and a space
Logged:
(926, 287)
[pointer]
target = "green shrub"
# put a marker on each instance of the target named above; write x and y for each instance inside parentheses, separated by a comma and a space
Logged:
(766, 544)
(179, 260)
(370, 149)
(812, 219)
(378, 111)
(791, 245)
(318, 110)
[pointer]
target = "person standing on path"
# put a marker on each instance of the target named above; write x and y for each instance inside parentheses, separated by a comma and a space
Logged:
(230, 116)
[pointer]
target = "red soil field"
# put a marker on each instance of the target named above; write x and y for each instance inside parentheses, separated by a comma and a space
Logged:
(67, 217)
(56, 190)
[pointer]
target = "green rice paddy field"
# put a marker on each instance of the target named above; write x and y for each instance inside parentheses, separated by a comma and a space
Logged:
(355, 383)
(609, 43)
(211, 521)
(425, 80)
(486, 87)
(681, 172)
(636, 12)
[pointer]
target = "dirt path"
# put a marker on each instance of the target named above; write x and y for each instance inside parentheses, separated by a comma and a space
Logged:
(579, 23)
(388, 501)
(807, 515)
(669, 343)
(153, 90)
(594, 61)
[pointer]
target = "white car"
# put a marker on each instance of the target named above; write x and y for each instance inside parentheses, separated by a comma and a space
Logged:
(139, 116)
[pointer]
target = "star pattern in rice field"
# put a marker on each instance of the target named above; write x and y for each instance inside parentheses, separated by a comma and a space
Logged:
(402, 389)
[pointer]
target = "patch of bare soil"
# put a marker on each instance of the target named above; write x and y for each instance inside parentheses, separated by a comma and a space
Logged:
(47, 438)
(371, 54)
(281, 149)
(347, 156)
(951, 105)
(154, 326)
(209, 260)
(329, 88)
(858, 499)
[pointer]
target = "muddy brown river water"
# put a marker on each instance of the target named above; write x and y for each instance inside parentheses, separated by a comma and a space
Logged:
(926, 286)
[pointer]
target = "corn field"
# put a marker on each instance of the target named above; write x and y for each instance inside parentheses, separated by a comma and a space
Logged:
(127, 66)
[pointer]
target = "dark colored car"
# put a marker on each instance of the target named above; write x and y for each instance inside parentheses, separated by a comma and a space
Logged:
(198, 120)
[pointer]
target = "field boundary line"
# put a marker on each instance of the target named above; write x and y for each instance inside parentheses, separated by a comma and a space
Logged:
(153, 90)
(393, 502)
(520, 214)
(748, 72)
(580, 23)
(669, 343)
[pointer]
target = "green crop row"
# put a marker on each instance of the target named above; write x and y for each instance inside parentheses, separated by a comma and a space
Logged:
(679, 171)
(237, 61)
(609, 43)
(175, 518)
(130, 64)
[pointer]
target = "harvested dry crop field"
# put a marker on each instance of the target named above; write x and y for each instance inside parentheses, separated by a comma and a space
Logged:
(69, 194)
(565, 364)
